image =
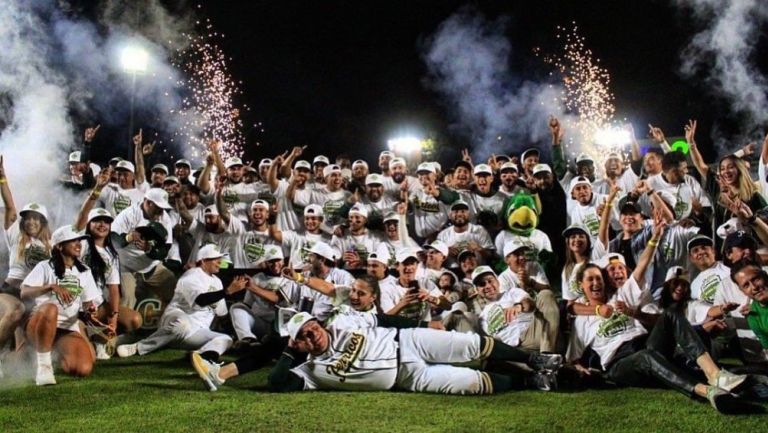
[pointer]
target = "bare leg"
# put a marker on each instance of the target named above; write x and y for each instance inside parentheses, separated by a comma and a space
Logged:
(76, 354)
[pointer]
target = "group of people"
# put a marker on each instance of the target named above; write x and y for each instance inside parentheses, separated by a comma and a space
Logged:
(473, 278)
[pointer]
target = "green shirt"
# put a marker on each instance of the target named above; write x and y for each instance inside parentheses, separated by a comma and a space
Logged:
(758, 322)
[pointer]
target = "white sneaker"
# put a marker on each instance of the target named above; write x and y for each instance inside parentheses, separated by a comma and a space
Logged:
(208, 371)
(44, 375)
(727, 380)
(127, 350)
(101, 351)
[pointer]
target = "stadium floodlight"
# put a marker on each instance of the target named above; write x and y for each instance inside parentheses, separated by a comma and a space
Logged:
(407, 145)
(134, 59)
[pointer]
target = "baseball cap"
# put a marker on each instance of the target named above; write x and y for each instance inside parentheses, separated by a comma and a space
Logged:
(583, 157)
(66, 233)
(313, 210)
(459, 204)
(297, 322)
(513, 246)
(153, 231)
(541, 168)
(159, 197)
(425, 166)
(405, 254)
(75, 156)
(359, 209)
(628, 206)
(259, 203)
(34, 207)
(333, 168)
(171, 179)
(529, 152)
(210, 210)
(359, 162)
(272, 252)
(613, 155)
(437, 166)
(611, 258)
(677, 272)
(160, 167)
(397, 161)
(739, 239)
(578, 180)
(302, 164)
(482, 169)
(700, 240)
(573, 229)
(480, 271)
(374, 179)
(381, 255)
(208, 252)
(183, 162)
(668, 198)
(391, 216)
(115, 160)
(125, 165)
(462, 163)
(509, 165)
(323, 250)
(387, 153)
(439, 246)
(321, 159)
(265, 162)
(99, 213)
(233, 161)
(464, 254)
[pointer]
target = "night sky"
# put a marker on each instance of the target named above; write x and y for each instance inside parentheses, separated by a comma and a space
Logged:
(343, 75)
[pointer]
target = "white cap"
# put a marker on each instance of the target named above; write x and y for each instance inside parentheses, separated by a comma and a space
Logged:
(359, 209)
(115, 160)
(125, 165)
(459, 306)
(404, 254)
(397, 161)
(509, 165)
(209, 251)
(482, 169)
(480, 271)
(183, 162)
(313, 210)
(66, 233)
(613, 155)
(437, 166)
(426, 166)
(458, 203)
(381, 255)
(296, 322)
(333, 168)
(439, 246)
(321, 159)
(610, 259)
(265, 162)
(360, 162)
(233, 161)
(210, 210)
(387, 153)
(391, 216)
(677, 272)
(583, 157)
(576, 181)
(173, 179)
(75, 156)
(302, 164)
(260, 203)
(374, 179)
(514, 245)
(273, 252)
(160, 167)
(34, 207)
(323, 250)
(541, 168)
(98, 212)
(159, 197)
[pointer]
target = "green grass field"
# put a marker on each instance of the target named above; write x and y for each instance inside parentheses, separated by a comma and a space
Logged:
(161, 393)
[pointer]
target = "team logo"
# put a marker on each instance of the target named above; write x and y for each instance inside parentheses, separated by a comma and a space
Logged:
(709, 288)
(496, 320)
(72, 284)
(121, 203)
(33, 255)
(151, 310)
(230, 198)
(254, 251)
(616, 324)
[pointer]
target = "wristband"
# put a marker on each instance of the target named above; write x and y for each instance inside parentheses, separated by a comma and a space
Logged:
(597, 310)
(751, 220)
(3, 180)
(653, 243)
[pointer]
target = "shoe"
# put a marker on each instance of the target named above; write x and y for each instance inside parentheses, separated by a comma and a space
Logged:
(727, 380)
(44, 375)
(544, 380)
(208, 371)
(101, 351)
(127, 350)
(722, 400)
(246, 343)
(546, 361)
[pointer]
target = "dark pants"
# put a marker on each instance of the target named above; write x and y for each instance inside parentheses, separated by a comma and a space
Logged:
(634, 368)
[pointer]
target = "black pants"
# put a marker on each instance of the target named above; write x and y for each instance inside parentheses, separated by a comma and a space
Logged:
(634, 368)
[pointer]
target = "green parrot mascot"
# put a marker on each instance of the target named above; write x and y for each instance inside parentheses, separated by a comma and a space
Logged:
(520, 216)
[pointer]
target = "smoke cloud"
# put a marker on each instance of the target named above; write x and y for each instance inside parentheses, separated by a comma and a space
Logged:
(724, 51)
(468, 63)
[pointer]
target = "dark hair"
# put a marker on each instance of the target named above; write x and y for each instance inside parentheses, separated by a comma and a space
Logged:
(745, 263)
(583, 270)
(373, 284)
(666, 301)
(672, 160)
(194, 189)
(94, 260)
(57, 262)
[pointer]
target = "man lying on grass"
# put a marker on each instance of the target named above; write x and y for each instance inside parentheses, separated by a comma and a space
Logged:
(366, 352)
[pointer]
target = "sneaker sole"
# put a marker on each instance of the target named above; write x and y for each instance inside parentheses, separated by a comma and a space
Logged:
(202, 371)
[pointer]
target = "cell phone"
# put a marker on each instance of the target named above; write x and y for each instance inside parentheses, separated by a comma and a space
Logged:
(414, 285)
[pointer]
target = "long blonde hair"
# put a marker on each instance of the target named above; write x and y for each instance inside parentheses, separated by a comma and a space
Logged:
(746, 187)
(25, 239)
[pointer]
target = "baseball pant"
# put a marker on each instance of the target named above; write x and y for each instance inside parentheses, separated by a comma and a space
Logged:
(161, 282)
(178, 331)
(247, 324)
(541, 335)
(422, 351)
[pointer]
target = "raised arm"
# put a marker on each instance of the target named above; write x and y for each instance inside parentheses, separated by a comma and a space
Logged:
(285, 170)
(204, 180)
(650, 249)
(138, 155)
(657, 135)
(636, 155)
(698, 160)
(272, 180)
(605, 217)
(5, 191)
(101, 181)
(559, 165)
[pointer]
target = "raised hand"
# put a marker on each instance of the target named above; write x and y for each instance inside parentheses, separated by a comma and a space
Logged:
(557, 131)
(137, 139)
(148, 148)
(465, 156)
(297, 151)
(749, 149)
(656, 134)
(90, 133)
(103, 178)
(2, 168)
(690, 132)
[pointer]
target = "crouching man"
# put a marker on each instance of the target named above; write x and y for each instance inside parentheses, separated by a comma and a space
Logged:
(186, 322)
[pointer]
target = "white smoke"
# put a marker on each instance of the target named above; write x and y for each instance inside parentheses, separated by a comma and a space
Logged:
(724, 52)
(468, 61)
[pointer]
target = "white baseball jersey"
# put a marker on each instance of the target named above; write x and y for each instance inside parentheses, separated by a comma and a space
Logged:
(361, 244)
(296, 245)
(193, 283)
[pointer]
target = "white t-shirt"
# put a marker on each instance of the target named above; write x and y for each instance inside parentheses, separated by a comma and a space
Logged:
(708, 285)
(586, 215)
(391, 295)
(239, 196)
(362, 244)
(493, 203)
(392, 189)
(133, 259)
(111, 272)
(473, 233)
(332, 203)
(289, 214)
(296, 245)
(192, 284)
(115, 199)
(225, 240)
(34, 253)
(508, 280)
(429, 213)
(79, 284)
(494, 323)
(682, 192)
(250, 246)
(537, 241)
(324, 305)
(289, 292)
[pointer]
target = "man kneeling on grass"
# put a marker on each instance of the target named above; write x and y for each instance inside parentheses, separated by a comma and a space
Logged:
(380, 352)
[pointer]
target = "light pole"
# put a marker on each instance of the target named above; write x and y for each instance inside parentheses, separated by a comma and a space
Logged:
(134, 60)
